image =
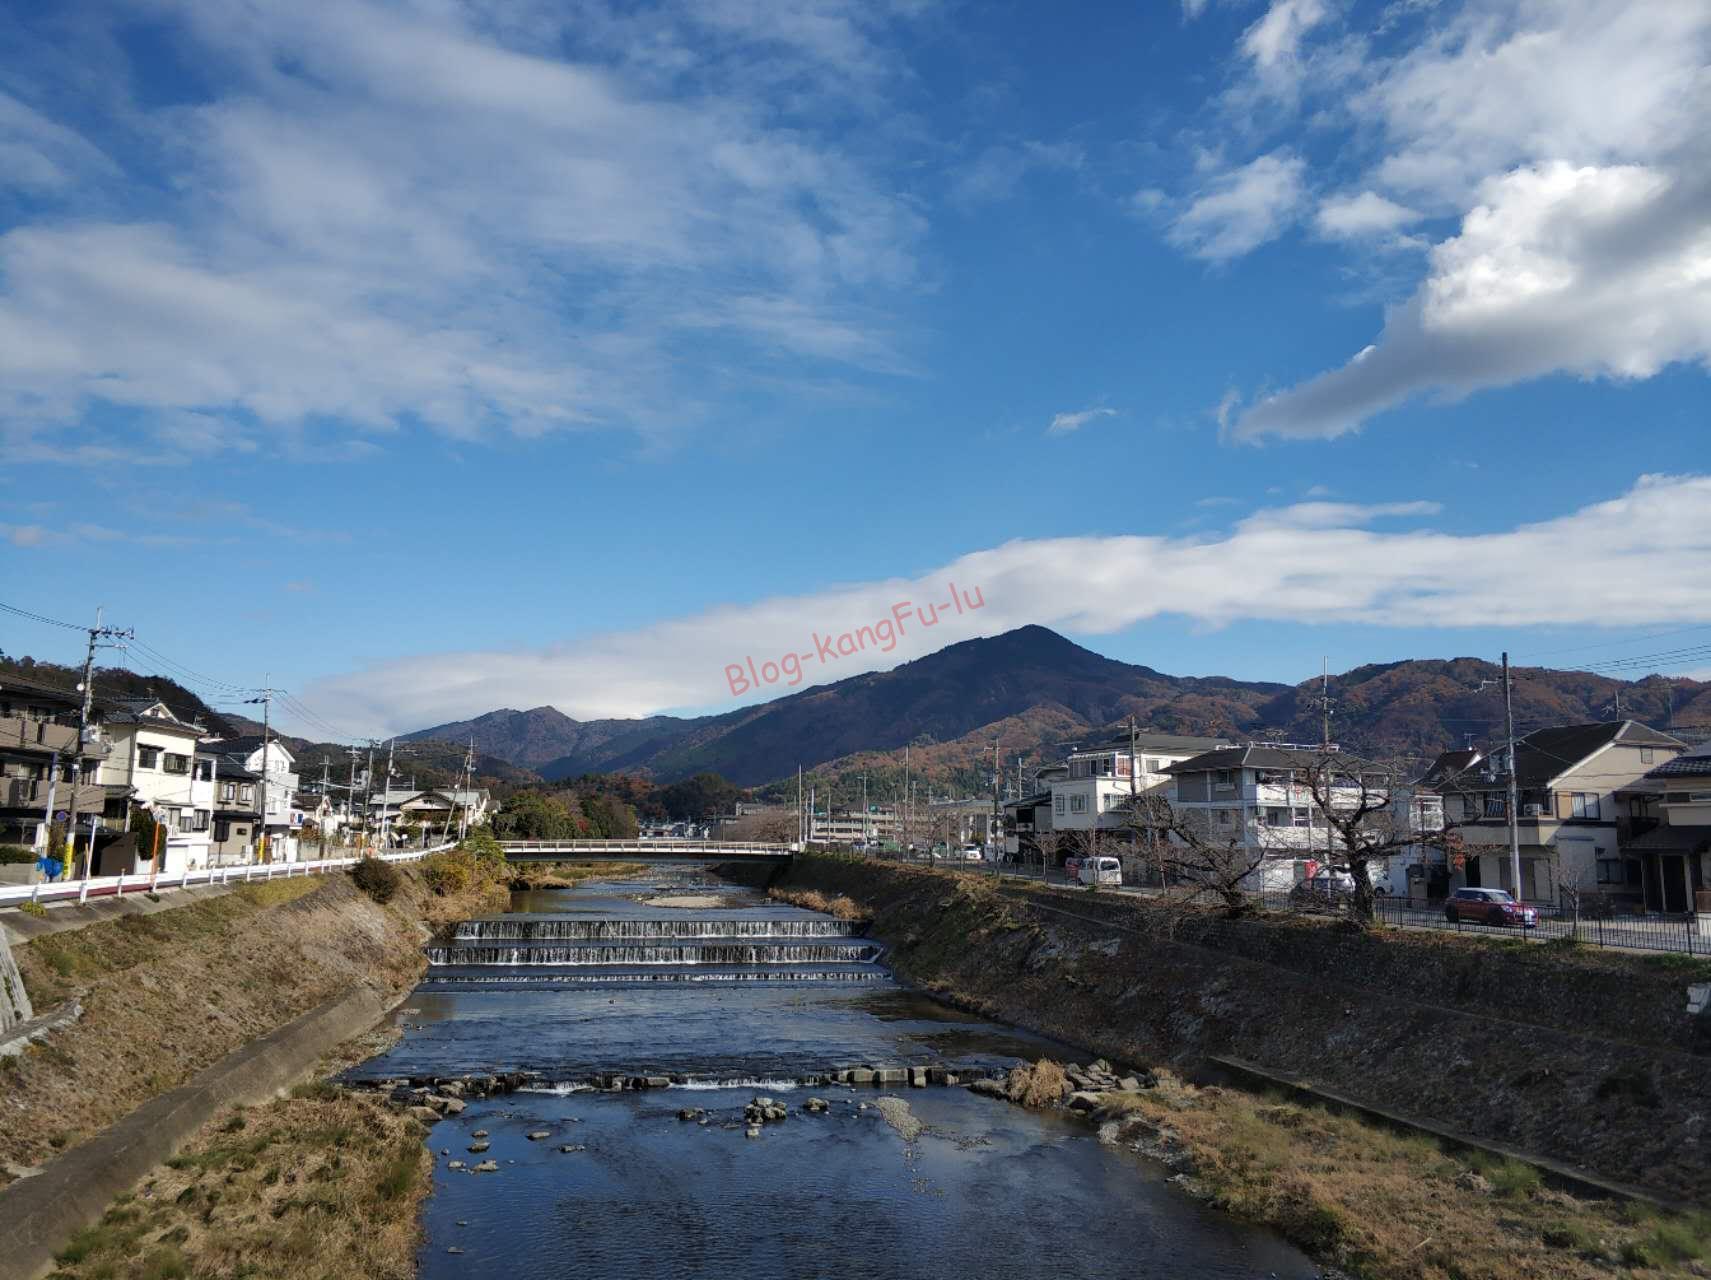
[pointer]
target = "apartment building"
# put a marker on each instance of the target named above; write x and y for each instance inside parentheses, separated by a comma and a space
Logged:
(1099, 781)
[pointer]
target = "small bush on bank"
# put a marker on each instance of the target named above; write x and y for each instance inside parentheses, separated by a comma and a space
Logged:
(449, 873)
(379, 880)
(15, 855)
(1041, 1085)
(33, 909)
(482, 845)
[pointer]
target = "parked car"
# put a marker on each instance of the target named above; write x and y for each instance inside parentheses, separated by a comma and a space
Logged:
(973, 853)
(1328, 890)
(1489, 906)
(1100, 870)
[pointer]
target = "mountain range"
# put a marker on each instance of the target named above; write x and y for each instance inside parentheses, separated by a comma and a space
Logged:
(1033, 691)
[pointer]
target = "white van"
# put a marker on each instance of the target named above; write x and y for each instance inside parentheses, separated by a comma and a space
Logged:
(1100, 871)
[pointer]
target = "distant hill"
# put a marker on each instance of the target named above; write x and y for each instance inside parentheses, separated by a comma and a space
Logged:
(1036, 690)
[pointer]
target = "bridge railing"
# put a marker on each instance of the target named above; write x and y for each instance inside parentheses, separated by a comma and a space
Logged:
(150, 882)
(646, 846)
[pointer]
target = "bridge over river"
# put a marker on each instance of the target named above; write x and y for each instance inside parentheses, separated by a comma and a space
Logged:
(663, 851)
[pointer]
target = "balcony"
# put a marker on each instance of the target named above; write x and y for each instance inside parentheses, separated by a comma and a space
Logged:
(32, 793)
(36, 735)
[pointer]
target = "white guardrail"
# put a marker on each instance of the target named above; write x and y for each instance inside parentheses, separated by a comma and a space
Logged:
(639, 846)
(118, 886)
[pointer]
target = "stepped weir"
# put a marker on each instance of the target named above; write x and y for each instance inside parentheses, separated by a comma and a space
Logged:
(666, 946)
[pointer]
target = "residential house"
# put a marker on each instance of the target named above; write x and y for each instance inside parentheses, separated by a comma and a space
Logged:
(1026, 821)
(276, 782)
(153, 764)
(1670, 854)
(846, 826)
(433, 809)
(237, 812)
(38, 727)
(1095, 789)
(1582, 799)
(1258, 796)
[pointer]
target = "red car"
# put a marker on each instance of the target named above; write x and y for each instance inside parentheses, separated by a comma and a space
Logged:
(1072, 868)
(1489, 906)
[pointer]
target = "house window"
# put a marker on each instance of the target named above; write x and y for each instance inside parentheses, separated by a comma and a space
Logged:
(1226, 817)
(148, 757)
(1078, 804)
(1275, 817)
(1057, 805)
(204, 771)
(246, 794)
(176, 764)
(1224, 779)
(1610, 871)
(222, 831)
(1585, 805)
(1495, 807)
(1303, 816)
(199, 820)
(1645, 755)
(228, 792)
(1155, 766)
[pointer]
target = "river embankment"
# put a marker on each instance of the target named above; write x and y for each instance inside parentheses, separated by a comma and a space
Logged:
(1590, 1060)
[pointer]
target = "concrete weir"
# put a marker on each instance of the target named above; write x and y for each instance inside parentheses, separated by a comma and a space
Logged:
(40, 1213)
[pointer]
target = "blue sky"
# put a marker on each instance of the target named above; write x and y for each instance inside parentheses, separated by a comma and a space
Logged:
(430, 357)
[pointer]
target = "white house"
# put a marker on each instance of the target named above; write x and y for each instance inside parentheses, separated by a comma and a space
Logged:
(267, 810)
(1258, 796)
(153, 765)
(1100, 779)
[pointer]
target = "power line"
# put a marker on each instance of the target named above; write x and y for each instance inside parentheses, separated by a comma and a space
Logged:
(45, 621)
(1606, 644)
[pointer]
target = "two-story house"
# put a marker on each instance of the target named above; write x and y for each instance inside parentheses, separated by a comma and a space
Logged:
(1574, 785)
(1100, 780)
(274, 778)
(1259, 797)
(153, 765)
(1670, 853)
(38, 727)
(237, 811)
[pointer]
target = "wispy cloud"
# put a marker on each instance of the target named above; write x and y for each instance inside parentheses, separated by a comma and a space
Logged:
(1242, 208)
(1642, 557)
(392, 215)
(1064, 423)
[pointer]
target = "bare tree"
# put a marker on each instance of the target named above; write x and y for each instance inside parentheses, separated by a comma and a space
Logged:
(1048, 844)
(1187, 845)
(1374, 814)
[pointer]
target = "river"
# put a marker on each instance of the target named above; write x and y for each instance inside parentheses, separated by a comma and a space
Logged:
(732, 997)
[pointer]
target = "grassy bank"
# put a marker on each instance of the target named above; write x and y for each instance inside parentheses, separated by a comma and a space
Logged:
(567, 875)
(1393, 1206)
(320, 1184)
(168, 994)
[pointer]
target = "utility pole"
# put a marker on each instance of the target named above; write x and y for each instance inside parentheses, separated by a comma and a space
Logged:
(993, 835)
(350, 792)
(386, 794)
(97, 634)
(801, 842)
(368, 800)
(1514, 798)
(1328, 778)
(908, 805)
(866, 825)
(265, 697)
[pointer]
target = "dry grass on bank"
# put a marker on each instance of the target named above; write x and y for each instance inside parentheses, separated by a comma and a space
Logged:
(813, 900)
(168, 994)
(321, 1184)
(1388, 1205)
(1041, 1085)
(567, 875)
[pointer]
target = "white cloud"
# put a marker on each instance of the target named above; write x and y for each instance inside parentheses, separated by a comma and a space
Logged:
(1192, 9)
(1242, 208)
(1602, 272)
(1644, 557)
(1000, 169)
(1351, 217)
(1277, 36)
(434, 214)
(1064, 423)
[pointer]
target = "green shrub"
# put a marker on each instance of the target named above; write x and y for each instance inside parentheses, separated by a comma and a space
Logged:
(484, 847)
(379, 880)
(33, 909)
(449, 873)
(15, 855)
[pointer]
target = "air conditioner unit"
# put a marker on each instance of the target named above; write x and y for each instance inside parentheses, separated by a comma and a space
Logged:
(1533, 810)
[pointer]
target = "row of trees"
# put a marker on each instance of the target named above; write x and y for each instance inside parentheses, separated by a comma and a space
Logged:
(570, 815)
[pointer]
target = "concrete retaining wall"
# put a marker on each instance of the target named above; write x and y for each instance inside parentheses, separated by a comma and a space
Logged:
(39, 1214)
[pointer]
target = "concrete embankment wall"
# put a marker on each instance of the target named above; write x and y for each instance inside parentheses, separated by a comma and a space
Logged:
(1592, 1060)
(39, 1214)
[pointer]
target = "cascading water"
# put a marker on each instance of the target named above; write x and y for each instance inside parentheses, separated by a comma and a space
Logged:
(716, 946)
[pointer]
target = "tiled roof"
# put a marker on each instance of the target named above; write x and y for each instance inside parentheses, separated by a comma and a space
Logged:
(1545, 753)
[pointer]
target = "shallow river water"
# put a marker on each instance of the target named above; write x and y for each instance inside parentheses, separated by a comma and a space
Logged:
(735, 1001)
